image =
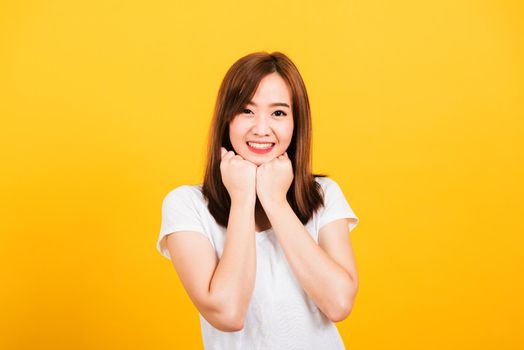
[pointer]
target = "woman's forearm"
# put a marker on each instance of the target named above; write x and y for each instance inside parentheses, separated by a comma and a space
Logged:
(234, 277)
(327, 283)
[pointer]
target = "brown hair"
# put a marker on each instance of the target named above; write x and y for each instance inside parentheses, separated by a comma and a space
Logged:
(238, 87)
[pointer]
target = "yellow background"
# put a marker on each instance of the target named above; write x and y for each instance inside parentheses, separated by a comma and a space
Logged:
(418, 114)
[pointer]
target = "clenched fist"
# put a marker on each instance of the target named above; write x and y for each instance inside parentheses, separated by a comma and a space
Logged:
(273, 179)
(238, 176)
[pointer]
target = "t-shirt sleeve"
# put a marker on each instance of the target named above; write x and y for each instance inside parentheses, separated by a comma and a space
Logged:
(179, 213)
(336, 206)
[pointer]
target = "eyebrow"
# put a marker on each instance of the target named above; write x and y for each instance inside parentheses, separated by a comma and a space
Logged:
(272, 104)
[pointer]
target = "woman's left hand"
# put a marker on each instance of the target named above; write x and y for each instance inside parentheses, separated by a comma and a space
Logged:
(274, 179)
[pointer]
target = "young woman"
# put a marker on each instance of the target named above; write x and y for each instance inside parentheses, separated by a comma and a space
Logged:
(262, 246)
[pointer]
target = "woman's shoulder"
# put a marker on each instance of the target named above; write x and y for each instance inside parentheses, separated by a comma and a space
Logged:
(186, 192)
(329, 186)
(325, 181)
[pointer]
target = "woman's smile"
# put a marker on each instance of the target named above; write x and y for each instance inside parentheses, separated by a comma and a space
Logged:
(260, 148)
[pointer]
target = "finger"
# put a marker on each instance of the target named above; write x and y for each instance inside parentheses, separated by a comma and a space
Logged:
(229, 155)
(222, 152)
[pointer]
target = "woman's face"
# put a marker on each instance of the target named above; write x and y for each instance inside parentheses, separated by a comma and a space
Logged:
(267, 119)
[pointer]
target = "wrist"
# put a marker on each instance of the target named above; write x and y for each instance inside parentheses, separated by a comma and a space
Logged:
(244, 201)
(274, 203)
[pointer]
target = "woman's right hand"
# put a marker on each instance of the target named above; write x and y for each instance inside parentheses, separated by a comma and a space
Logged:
(239, 176)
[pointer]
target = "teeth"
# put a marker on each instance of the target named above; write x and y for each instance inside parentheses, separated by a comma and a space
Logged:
(260, 145)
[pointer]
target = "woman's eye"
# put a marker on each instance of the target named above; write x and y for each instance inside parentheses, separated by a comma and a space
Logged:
(247, 111)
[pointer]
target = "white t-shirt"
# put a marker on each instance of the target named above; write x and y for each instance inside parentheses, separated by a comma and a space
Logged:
(280, 314)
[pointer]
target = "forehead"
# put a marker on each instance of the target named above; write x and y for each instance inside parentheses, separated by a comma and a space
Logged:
(272, 88)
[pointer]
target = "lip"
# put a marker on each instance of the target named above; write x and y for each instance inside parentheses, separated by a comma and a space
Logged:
(260, 151)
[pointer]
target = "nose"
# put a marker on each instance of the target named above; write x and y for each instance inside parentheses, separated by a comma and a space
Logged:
(261, 126)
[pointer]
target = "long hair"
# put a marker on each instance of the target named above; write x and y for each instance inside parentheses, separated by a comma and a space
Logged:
(237, 89)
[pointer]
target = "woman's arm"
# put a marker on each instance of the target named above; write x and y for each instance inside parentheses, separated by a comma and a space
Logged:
(234, 278)
(219, 288)
(330, 286)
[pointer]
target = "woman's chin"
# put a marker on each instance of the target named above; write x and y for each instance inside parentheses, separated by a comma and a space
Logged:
(257, 162)
(257, 159)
